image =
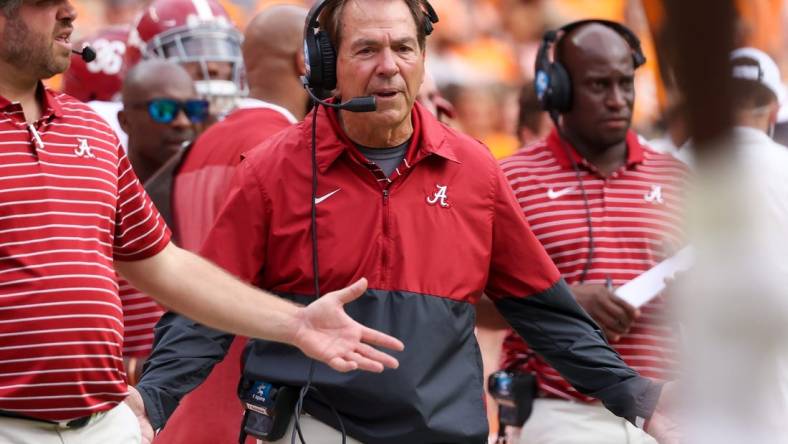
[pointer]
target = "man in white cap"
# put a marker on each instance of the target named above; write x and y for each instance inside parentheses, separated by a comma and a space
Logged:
(758, 91)
(736, 297)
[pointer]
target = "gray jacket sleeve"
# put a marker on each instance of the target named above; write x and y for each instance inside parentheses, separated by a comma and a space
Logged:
(558, 329)
(184, 353)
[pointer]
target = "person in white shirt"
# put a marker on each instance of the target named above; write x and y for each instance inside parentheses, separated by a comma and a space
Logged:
(738, 309)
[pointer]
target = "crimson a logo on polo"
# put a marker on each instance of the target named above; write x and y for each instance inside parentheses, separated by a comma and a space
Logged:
(440, 196)
(84, 150)
(655, 195)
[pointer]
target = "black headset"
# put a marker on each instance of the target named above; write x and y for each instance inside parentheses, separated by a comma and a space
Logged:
(552, 81)
(320, 55)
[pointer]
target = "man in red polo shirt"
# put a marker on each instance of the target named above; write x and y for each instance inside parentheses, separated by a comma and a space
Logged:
(71, 213)
(606, 209)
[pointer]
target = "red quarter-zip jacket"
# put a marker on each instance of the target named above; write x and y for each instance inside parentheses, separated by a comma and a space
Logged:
(442, 229)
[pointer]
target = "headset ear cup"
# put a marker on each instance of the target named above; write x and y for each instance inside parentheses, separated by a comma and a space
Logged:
(561, 88)
(542, 87)
(638, 59)
(314, 68)
(328, 61)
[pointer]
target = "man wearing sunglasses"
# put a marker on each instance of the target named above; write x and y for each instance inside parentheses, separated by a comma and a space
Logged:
(160, 112)
(273, 57)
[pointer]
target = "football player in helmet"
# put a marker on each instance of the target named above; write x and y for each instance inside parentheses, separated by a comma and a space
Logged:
(200, 36)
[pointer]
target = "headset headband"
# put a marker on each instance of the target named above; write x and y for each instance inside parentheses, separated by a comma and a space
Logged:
(311, 23)
(634, 42)
(313, 16)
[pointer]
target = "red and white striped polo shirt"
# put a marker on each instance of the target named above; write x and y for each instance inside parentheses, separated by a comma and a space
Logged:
(69, 204)
(636, 220)
(140, 315)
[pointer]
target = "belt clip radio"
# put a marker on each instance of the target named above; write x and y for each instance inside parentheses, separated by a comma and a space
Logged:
(515, 393)
(267, 409)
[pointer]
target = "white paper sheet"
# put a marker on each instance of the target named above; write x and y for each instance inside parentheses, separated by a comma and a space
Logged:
(643, 288)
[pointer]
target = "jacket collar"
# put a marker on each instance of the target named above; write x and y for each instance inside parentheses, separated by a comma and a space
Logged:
(749, 134)
(562, 150)
(429, 137)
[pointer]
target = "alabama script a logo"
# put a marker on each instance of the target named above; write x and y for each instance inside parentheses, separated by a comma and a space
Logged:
(439, 197)
(83, 150)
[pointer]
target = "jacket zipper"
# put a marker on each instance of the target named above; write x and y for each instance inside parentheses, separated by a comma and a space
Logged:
(384, 253)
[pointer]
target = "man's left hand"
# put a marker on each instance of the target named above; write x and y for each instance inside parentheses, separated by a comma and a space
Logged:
(662, 426)
(326, 333)
(136, 404)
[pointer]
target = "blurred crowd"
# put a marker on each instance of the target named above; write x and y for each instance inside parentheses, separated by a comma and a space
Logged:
(483, 52)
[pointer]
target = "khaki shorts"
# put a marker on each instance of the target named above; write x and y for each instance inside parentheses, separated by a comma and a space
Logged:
(116, 426)
(557, 421)
(315, 432)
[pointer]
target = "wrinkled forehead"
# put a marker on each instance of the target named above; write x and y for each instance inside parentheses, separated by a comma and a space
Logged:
(376, 19)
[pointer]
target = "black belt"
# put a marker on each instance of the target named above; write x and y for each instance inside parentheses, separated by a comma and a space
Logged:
(73, 424)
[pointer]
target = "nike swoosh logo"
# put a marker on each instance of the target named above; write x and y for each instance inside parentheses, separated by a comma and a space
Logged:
(322, 198)
(553, 194)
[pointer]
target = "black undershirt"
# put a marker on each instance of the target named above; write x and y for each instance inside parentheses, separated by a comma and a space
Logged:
(388, 159)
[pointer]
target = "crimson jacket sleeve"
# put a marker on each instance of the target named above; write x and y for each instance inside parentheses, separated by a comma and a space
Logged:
(527, 290)
(184, 351)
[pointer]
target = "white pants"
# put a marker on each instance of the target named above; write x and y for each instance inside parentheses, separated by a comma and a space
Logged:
(116, 426)
(315, 432)
(555, 421)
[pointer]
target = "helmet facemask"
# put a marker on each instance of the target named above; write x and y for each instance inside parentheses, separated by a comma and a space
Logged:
(211, 52)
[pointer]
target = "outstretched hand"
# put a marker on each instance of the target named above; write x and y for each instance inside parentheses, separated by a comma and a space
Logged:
(662, 426)
(326, 333)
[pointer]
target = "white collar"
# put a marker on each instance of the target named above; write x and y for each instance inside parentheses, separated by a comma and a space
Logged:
(748, 132)
(249, 102)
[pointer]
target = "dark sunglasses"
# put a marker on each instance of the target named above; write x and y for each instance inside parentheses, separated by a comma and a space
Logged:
(166, 110)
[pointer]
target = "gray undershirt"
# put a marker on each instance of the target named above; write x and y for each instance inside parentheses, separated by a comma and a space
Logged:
(388, 159)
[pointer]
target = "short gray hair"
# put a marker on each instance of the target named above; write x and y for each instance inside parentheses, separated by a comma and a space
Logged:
(9, 7)
(330, 18)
